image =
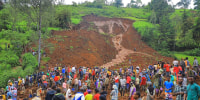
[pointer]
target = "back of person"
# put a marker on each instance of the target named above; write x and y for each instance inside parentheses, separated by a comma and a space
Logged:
(89, 97)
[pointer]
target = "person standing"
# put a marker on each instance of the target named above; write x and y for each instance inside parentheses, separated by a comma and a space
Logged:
(59, 95)
(182, 64)
(180, 90)
(195, 65)
(79, 95)
(193, 90)
(114, 93)
(123, 85)
(89, 96)
(97, 95)
(168, 88)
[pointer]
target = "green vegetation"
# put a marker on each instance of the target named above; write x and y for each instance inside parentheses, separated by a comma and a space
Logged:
(180, 55)
(46, 59)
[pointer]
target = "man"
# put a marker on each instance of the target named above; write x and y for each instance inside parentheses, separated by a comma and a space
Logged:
(97, 95)
(59, 95)
(89, 96)
(175, 62)
(158, 82)
(180, 90)
(195, 65)
(103, 94)
(168, 88)
(182, 64)
(79, 95)
(123, 85)
(193, 90)
(136, 96)
(50, 93)
(167, 68)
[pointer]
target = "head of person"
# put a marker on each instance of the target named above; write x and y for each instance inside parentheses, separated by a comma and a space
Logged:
(180, 80)
(96, 91)
(82, 90)
(195, 58)
(186, 58)
(168, 78)
(89, 91)
(136, 95)
(58, 90)
(53, 87)
(191, 79)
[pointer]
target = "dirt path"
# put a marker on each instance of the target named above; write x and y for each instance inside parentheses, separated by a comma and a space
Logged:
(122, 52)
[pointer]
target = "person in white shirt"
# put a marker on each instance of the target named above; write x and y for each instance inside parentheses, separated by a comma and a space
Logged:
(68, 94)
(175, 62)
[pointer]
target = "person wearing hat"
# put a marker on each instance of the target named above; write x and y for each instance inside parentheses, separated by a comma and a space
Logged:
(89, 96)
(114, 93)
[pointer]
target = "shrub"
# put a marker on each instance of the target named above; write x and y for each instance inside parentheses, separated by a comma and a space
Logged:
(29, 60)
(9, 57)
(193, 52)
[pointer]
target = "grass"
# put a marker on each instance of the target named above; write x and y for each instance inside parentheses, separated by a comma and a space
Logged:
(53, 28)
(46, 59)
(76, 20)
(180, 55)
(135, 19)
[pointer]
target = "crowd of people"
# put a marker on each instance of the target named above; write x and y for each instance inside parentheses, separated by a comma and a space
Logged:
(96, 83)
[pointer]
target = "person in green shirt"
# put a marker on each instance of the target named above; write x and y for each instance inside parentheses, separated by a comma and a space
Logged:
(193, 90)
(89, 96)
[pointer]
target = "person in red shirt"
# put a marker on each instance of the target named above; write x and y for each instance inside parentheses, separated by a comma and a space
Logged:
(167, 68)
(97, 95)
(176, 70)
(143, 83)
(85, 93)
(128, 81)
(93, 74)
(117, 81)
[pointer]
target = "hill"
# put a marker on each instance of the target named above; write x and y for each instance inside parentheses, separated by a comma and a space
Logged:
(100, 41)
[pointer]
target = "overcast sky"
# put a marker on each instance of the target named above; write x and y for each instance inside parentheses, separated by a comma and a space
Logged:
(125, 2)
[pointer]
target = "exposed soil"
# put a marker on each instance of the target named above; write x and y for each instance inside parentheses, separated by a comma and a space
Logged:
(100, 41)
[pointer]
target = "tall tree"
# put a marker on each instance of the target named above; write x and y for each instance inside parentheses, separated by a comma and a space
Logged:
(118, 3)
(184, 3)
(196, 32)
(161, 8)
(197, 4)
(34, 7)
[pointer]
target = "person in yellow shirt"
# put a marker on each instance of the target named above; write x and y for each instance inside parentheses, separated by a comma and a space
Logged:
(89, 96)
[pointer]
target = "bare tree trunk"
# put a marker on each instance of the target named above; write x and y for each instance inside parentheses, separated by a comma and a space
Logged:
(39, 46)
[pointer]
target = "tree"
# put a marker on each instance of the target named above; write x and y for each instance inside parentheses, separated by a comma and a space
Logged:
(134, 4)
(184, 3)
(34, 7)
(118, 3)
(196, 32)
(161, 8)
(64, 19)
(197, 4)
(1, 5)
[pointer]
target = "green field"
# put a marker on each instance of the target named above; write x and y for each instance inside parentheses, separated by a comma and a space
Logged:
(191, 58)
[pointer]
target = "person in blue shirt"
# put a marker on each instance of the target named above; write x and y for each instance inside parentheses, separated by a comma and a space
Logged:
(193, 90)
(168, 88)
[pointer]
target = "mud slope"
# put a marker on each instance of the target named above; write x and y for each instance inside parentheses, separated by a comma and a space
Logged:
(100, 41)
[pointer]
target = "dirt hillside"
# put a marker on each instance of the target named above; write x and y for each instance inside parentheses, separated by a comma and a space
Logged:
(100, 41)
